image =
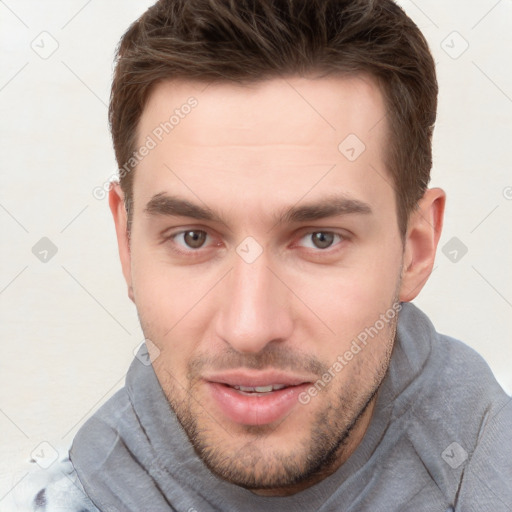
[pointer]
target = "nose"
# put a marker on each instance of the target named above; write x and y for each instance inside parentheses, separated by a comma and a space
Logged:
(255, 309)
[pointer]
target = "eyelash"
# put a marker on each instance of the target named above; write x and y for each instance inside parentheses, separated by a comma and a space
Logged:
(197, 252)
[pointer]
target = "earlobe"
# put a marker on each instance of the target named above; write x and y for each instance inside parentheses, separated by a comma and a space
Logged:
(423, 233)
(118, 209)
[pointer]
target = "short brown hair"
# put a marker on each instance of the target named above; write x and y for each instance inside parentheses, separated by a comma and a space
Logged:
(253, 40)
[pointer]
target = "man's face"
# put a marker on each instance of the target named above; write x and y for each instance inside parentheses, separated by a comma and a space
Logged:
(290, 251)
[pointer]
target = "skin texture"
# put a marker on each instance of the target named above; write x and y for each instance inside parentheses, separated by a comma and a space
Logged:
(248, 153)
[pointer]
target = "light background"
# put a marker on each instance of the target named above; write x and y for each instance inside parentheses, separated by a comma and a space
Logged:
(68, 330)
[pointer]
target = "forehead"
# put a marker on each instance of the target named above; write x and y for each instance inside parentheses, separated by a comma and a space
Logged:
(308, 108)
(283, 136)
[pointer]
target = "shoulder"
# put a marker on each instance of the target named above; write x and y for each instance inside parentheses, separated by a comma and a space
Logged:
(466, 380)
(460, 426)
(114, 416)
(451, 373)
(460, 396)
(488, 474)
(51, 489)
(57, 487)
(486, 412)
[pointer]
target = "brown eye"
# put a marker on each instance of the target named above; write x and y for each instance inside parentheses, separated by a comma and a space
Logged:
(322, 239)
(194, 239)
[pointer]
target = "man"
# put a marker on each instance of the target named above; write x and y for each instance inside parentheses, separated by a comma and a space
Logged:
(274, 224)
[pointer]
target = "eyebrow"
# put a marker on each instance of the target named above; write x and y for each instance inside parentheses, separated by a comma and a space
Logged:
(331, 206)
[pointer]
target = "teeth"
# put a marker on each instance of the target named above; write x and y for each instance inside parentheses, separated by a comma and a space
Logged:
(260, 389)
(263, 389)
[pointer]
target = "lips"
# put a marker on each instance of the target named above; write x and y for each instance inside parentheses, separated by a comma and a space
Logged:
(255, 398)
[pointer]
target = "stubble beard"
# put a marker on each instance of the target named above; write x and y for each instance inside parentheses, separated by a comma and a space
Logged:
(316, 452)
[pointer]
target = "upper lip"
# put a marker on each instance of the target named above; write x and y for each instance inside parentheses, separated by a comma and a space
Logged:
(256, 378)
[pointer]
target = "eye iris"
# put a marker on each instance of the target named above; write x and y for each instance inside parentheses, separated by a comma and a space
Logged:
(195, 239)
(323, 240)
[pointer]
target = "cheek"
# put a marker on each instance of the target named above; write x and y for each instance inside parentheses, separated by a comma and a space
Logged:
(342, 303)
(168, 301)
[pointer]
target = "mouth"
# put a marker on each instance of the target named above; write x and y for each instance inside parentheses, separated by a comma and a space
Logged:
(255, 398)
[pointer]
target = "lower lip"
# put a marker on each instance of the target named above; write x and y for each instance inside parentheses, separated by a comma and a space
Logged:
(256, 408)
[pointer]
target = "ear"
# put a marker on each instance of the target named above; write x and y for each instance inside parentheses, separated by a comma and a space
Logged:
(118, 209)
(423, 232)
